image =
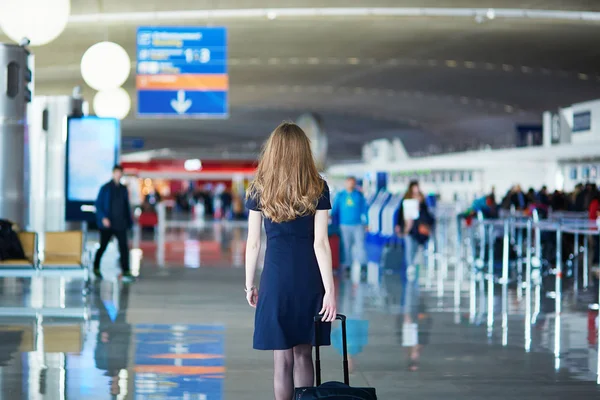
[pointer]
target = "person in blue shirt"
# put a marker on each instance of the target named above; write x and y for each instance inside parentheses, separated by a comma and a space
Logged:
(350, 209)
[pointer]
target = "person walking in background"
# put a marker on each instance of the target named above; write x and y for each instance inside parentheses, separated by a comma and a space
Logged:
(350, 209)
(416, 226)
(113, 215)
(152, 198)
(297, 278)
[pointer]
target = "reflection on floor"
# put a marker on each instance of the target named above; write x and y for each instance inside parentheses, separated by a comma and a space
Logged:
(185, 333)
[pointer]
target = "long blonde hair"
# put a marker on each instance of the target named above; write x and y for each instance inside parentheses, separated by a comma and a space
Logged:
(287, 183)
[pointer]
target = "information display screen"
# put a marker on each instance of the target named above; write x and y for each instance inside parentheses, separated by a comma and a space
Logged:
(582, 121)
(93, 146)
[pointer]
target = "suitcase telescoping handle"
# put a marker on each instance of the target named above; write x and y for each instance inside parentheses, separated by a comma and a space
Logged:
(318, 322)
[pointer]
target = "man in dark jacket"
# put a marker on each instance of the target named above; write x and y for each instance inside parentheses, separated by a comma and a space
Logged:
(113, 215)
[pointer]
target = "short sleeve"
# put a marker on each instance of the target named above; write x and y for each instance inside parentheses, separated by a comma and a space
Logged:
(325, 200)
(252, 202)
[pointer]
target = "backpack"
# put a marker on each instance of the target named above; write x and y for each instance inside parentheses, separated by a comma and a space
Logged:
(10, 245)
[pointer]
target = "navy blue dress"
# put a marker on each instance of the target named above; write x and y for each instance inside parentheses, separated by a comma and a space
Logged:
(291, 290)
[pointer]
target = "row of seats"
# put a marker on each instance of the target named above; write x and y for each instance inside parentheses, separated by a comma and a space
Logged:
(61, 250)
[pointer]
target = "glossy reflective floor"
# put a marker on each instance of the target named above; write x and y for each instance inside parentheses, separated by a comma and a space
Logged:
(183, 331)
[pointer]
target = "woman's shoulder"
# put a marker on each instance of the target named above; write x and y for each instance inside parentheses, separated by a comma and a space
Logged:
(325, 189)
(252, 193)
(253, 200)
(324, 202)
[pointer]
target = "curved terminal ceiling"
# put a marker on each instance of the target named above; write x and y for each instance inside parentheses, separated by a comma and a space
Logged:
(439, 83)
(114, 6)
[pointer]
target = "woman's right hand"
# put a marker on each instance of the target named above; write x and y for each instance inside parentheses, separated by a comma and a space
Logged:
(329, 310)
(252, 297)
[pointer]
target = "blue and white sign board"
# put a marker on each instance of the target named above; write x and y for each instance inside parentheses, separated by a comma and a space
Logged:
(182, 72)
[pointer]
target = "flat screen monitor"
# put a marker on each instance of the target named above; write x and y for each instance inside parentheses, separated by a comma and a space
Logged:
(93, 146)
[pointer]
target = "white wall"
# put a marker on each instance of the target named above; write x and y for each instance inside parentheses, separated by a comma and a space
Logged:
(529, 167)
(523, 173)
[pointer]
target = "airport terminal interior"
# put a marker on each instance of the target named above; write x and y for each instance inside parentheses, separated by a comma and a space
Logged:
(460, 142)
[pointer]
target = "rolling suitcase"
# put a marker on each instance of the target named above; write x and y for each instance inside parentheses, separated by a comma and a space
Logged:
(334, 243)
(392, 257)
(333, 390)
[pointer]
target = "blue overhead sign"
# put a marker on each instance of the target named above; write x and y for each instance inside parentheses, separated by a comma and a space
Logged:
(182, 72)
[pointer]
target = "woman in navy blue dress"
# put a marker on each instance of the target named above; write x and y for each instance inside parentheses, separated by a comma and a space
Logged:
(297, 280)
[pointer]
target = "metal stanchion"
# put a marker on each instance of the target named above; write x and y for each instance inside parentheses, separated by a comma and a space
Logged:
(431, 258)
(536, 267)
(520, 263)
(469, 261)
(481, 269)
(137, 235)
(576, 265)
(442, 263)
(161, 234)
(473, 278)
(490, 281)
(528, 289)
(586, 265)
(504, 282)
(458, 272)
(598, 327)
(558, 292)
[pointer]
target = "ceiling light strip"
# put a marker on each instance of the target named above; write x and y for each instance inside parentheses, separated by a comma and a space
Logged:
(272, 13)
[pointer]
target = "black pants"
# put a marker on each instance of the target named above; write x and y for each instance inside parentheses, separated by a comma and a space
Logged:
(105, 236)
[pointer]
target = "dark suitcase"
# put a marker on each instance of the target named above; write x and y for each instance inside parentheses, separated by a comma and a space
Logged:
(333, 390)
(392, 257)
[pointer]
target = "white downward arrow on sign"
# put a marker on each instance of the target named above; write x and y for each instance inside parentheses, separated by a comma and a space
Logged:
(181, 105)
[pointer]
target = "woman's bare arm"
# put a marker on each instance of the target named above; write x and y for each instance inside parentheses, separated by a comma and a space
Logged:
(323, 253)
(253, 246)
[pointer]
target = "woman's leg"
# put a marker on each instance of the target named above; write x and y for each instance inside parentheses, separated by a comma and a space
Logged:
(283, 377)
(414, 355)
(304, 371)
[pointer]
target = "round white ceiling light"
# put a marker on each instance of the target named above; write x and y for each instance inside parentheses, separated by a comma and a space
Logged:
(40, 21)
(105, 65)
(112, 103)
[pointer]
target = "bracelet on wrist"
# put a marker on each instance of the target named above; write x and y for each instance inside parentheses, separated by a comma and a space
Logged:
(251, 288)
